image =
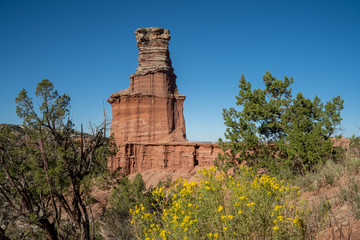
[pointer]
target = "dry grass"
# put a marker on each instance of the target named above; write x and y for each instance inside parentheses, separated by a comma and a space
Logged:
(334, 198)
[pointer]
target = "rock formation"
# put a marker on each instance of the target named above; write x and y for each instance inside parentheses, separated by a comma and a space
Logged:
(139, 157)
(148, 123)
(151, 109)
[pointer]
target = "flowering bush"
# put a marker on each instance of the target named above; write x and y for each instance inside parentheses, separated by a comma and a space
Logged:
(238, 206)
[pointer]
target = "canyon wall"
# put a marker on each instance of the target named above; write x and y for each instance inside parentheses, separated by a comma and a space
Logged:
(148, 123)
(140, 157)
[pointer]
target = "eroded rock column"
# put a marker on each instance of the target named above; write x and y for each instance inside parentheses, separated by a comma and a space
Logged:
(151, 109)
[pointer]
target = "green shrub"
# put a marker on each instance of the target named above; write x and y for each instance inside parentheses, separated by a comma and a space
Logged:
(276, 130)
(354, 141)
(124, 197)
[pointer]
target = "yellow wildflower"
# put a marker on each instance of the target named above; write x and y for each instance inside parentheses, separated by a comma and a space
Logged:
(162, 234)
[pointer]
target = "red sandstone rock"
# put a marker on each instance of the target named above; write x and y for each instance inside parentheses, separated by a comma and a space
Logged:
(148, 123)
(151, 109)
(341, 142)
(139, 157)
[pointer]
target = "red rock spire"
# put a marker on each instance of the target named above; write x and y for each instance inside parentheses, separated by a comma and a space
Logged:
(151, 109)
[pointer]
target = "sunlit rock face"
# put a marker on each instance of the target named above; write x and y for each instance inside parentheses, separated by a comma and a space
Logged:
(140, 157)
(151, 109)
(148, 123)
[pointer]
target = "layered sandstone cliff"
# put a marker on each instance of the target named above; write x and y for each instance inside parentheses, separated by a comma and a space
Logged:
(151, 109)
(140, 157)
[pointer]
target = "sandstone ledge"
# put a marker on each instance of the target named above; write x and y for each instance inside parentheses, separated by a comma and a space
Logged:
(140, 157)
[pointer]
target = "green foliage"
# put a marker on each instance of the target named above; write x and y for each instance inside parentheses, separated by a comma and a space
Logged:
(52, 112)
(125, 196)
(46, 171)
(275, 130)
(354, 141)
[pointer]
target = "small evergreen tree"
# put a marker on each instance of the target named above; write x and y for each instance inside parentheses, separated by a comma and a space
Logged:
(46, 172)
(273, 129)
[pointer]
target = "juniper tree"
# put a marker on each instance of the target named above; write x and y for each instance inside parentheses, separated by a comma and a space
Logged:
(274, 129)
(46, 172)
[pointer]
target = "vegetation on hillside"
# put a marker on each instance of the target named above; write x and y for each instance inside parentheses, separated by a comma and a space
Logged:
(237, 206)
(46, 174)
(277, 147)
(126, 195)
(245, 204)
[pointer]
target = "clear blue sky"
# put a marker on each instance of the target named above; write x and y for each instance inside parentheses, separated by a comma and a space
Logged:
(88, 50)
